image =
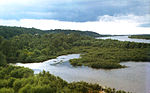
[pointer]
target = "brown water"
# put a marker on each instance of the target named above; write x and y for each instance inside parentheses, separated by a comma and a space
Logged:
(135, 78)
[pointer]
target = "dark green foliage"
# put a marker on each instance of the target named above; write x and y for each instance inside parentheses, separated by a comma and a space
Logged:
(9, 32)
(34, 48)
(108, 43)
(15, 72)
(106, 65)
(110, 58)
(147, 36)
(2, 59)
(20, 73)
(6, 90)
(37, 89)
(84, 87)
(44, 82)
(83, 33)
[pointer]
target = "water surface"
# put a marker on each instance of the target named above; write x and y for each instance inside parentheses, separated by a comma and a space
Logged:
(125, 38)
(135, 78)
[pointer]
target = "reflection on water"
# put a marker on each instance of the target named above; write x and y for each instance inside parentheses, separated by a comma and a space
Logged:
(125, 38)
(135, 78)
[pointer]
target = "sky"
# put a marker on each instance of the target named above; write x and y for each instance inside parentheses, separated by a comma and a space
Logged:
(101, 16)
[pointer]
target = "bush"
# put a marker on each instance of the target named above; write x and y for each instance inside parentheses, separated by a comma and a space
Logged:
(22, 72)
(6, 90)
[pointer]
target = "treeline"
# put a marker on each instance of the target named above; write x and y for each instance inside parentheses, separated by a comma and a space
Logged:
(9, 32)
(22, 80)
(83, 33)
(108, 43)
(146, 36)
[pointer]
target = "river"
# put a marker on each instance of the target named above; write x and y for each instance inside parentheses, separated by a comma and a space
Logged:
(134, 79)
(125, 38)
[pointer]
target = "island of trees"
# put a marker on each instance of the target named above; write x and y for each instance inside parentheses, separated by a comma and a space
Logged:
(25, 45)
(147, 36)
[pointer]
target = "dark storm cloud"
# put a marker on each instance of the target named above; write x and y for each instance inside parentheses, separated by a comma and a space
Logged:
(71, 10)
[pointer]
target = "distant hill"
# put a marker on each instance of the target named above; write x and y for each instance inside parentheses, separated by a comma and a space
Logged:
(86, 33)
(8, 31)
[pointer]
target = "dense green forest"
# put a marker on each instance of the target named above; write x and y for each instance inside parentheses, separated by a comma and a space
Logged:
(19, 44)
(8, 32)
(140, 36)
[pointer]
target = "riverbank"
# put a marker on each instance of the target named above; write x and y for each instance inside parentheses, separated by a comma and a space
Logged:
(22, 80)
(123, 79)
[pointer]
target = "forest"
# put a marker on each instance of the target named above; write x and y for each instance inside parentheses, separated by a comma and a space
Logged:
(30, 45)
(147, 36)
(9, 31)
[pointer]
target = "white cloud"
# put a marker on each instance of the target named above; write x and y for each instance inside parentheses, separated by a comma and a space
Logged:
(129, 18)
(105, 25)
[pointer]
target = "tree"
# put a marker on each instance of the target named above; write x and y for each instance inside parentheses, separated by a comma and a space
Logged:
(2, 59)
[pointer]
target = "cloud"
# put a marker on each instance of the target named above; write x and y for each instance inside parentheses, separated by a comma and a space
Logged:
(70, 10)
(129, 18)
(121, 24)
